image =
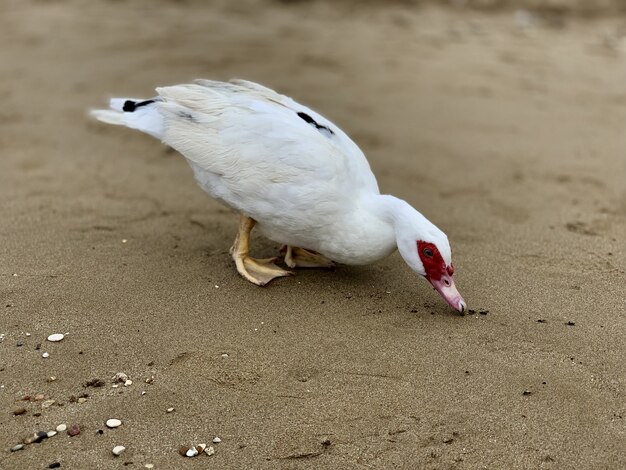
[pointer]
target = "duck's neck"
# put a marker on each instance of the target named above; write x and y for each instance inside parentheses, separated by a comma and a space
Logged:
(395, 211)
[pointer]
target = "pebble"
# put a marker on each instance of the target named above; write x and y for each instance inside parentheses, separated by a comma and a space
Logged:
(149, 465)
(191, 452)
(527, 392)
(19, 343)
(54, 465)
(117, 450)
(182, 450)
(61, 427)
(17, 447)
(35, 438)
(113, 423)
(120, 377)
(51, 433)
(169, 410)
(19, 411)
(128, 383)
(45, 355)
(39, 397)
(82, 400)
(48, 403)
(216, 440)
(209, 450)
(55, 338)
(200, 448)
(74, 430)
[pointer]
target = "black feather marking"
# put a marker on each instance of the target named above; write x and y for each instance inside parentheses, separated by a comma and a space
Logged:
(130, 106)
(310, 120)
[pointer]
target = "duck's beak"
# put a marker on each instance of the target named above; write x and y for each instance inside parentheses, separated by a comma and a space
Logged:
(446, 288)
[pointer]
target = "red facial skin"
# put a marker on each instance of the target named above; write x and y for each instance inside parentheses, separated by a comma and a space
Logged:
(434, 265)
(440, 275)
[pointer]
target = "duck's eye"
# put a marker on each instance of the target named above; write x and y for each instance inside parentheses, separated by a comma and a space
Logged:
(428, 252)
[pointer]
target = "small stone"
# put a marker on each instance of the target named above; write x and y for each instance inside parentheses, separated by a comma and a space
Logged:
(120, 377)
(74, 430)
(570, 323)
(113, 423)
(117, 450)
(19, 411)
(39, 397)
(169, 410)
(51, 433)
(216, 440)
(225, 355)
(19, 343)
(36, 438)
(54, 465)
(27, 334)
(82, 400)
(45, 355)
(52, 378)
(55, 338)
(128, 383)
(527, 392)
(200, 448)
(191, 452)
(48, 403)
(209, 450)
(150, 380)
(149, 465)
(182, 450)
(17, 447)
(448, 440)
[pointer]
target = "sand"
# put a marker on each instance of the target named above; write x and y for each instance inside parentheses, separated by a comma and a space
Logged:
(507, 133)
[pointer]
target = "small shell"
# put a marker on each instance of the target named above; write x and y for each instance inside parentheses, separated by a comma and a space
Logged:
(117, 450)
(200, 448)
(55, 338)
(51, 433)
(191, 452)
(45, 355)
(113, 423)
(61, 427)
(216, 440)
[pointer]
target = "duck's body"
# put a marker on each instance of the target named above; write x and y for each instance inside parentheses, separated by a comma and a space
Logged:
(295, 174)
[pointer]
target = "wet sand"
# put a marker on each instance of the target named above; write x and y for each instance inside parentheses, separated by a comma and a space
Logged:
(508, 134)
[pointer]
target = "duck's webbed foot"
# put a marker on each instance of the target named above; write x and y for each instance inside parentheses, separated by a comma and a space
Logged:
(300, 258)
(257, 271)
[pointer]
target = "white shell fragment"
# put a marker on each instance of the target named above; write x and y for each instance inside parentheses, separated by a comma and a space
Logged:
(117, 450)
(216, 440)
(45, 355)
(209, 450)
(169, 410)
(128, 383)
(51, 433)
(191, 452)
(61, 427)
(113, 423)
(55, 338)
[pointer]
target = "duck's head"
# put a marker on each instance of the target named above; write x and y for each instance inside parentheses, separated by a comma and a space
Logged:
(426, 250)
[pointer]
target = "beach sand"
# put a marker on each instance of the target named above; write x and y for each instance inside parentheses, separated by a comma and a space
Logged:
(506, 129)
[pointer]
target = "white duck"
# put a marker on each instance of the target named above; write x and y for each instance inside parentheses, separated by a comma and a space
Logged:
(291, 173)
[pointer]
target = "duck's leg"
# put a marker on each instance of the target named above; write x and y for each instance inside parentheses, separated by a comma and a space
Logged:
(300, 258)
(257, 271)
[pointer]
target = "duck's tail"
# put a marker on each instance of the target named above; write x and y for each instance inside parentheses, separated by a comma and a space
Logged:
(142, 115)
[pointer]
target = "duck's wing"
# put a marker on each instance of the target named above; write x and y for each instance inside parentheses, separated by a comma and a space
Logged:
(252, 136)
